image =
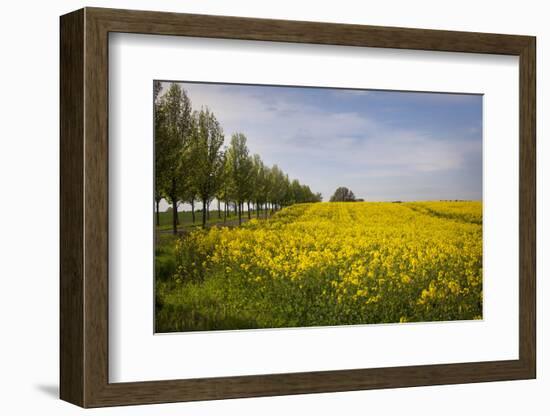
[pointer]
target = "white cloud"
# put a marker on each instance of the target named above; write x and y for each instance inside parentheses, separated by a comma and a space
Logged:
(323, 147)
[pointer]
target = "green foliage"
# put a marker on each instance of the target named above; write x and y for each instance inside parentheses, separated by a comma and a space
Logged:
(240, 167)
(165, 262)
(259, 183)
(207, 161)
(196, 307)
(278, 185)
(172, 128)
(343, 194)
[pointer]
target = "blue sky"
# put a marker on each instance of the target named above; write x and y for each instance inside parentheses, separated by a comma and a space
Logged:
(383, 145)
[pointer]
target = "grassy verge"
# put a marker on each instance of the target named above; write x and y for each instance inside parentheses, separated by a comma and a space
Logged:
(186, 222)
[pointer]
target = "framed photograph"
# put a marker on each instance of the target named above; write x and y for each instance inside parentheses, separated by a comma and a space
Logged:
(255, 207)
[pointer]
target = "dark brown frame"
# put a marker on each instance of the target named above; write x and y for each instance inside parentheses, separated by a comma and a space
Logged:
(84, 210)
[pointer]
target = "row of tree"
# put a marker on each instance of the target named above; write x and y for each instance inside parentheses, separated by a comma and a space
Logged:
(192, 164)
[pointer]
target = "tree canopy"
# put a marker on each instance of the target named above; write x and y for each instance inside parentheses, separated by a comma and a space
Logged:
(206, 158)
(172, 130)
(343, 194)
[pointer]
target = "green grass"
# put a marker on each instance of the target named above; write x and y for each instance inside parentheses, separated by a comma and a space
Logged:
(165, 263)
(186, 219)
(195, 305)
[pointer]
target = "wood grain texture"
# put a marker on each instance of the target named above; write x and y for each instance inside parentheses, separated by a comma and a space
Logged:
(71, 208)
(84, 207)
(225, 27)
(527, 207)
(96, 221)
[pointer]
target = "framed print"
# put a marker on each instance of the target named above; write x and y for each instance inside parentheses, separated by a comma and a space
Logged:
(255, 207)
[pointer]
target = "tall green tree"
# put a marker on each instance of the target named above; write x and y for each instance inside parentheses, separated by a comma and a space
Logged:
(260, 184)
(162, 159)
(297, 194)
(342, 194)
(251, 186)
(157, 89)
(225, 193)
(222, 188)
(278, 185)
(240, 170)
(176, 108)
(206, 157)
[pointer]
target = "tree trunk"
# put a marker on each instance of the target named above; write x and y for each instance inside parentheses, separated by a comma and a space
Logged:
(177, 215)
(208, 211)
(204, 213)
(193, 210)
(174, 217)
(235, 206)
(257, 209)
(240, 213)
(224, 212)
(248, 208)
(219, 212)
(157, 202)
(174, 199)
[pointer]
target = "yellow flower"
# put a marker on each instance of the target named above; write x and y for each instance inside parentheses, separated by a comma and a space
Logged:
(368, 257)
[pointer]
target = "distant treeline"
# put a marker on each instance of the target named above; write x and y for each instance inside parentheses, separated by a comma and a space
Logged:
(191, 163)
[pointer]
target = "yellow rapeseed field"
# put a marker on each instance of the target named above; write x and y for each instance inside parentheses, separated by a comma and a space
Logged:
(329, 264)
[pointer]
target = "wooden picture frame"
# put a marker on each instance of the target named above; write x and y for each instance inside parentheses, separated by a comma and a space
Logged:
(84, 207)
